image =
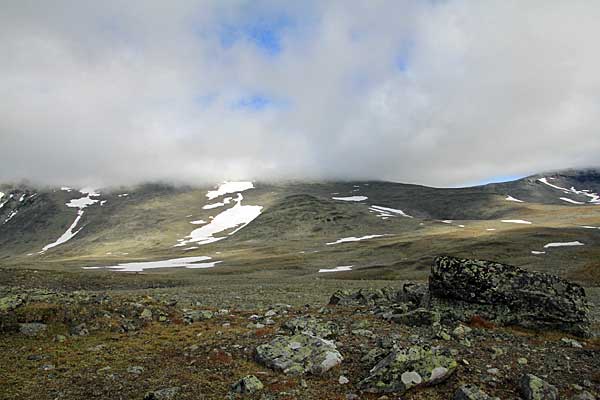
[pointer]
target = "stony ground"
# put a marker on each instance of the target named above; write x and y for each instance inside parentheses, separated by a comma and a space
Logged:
(196, 342)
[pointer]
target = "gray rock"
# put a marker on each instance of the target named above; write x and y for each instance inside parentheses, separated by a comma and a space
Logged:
(585, 395)
(146, 314)
(191, 316)
(135, 369)
(311, 326)
(299, 354)
(80, 330)
(471, 392)
(404, 369)
(507, 295)
(162, 394)
(534, 388)
(32, 328)
(247, 385)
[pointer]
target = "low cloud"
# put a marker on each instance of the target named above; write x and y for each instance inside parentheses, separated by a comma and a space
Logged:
(435, 92)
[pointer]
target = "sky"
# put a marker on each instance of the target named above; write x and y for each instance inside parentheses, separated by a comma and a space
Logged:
(441, 93)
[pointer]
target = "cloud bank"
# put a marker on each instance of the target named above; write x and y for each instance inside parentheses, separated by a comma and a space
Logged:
(434, 92)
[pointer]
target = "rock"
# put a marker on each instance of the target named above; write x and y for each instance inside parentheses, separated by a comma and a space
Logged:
(60, 338)
(418, 317)
(9, 303)
(299, 354)
(571, 342)
(135, 369)
(585, 395)
(247, 385)
(32, 328)
(191, 316)
(364, 297)
(534, 388)
(80, 330)
(312, 326)
(522, 361)
(343, 380)
(461, 331)
(505, 294)
(146, 314)
(162, 394)
(471, 392)
(404, 369)
(271, 313)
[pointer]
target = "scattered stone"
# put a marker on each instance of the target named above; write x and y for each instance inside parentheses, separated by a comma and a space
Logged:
(522, 361)
(146, 314)
(32, 328)
(247, 385)
(534, 388)
(571, 342)
(343, 380)
(461, 331)
(505, 294)
(135, 369)
(80, 330)
(60, 338)
(9, 303)
(191, 316)
(162, 394)
(407, 368)
(312, 326)
(585, 395)
(299, 354)
(471, 392)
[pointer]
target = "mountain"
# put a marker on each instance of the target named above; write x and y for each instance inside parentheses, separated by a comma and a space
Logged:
(373, 229)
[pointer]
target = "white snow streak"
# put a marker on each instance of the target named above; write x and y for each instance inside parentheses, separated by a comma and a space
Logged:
(510, 198)
(571, 200)
(337, 269)
(594, 197)
(67, 235)
(563, 244)
(387, 210)
(537, 252)
(227, 200)
(354, 239)
(516, 221)
(229, 187)
(351, 198)
(185, 262)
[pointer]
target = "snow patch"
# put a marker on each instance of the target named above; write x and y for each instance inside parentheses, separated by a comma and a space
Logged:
(351, 198)
(198, 222)
(490, 229)
(516, 221)
(571, 200)
(123, 195)
(594, 197)
(537, 252)
(354, 239)
(389, 211)
(510, 198)
(229, 187)
(66, 189)
(237, 217)
(227, 200)
(68, 235)
(337, 269)
(185, 262)
(563, 244)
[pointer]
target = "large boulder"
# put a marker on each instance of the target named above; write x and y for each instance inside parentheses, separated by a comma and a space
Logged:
(507, 295)
(299, 354)
(404, 369)
(311, 326)
(534, 388)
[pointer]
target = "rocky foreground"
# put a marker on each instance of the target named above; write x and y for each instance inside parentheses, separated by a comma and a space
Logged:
(477, 330)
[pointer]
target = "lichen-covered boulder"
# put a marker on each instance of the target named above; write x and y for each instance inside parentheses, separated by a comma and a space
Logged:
(534, 388)
(506, 294)
(299, 354)
(247, 385)
(191, 316)
(32, 328)
(311, 326)
(364, 297)
(471, 392)
(404, 369)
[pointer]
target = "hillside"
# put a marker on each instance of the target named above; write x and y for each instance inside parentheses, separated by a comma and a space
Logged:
(380, 229)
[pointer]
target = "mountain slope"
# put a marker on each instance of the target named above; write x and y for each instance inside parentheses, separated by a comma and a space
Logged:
(380, 229)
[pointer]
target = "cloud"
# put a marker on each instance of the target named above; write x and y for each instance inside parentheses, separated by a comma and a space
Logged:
(438, 92)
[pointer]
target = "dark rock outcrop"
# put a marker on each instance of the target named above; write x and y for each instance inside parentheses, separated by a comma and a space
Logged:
(463, 288)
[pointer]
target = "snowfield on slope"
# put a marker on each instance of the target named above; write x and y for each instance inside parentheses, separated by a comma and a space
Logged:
(236, 217)
(388, 212)
(185, 262)
(229, 187)
(80, 203)
(594, 197)
(563, 244)
(516, 221)
(510, 198)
